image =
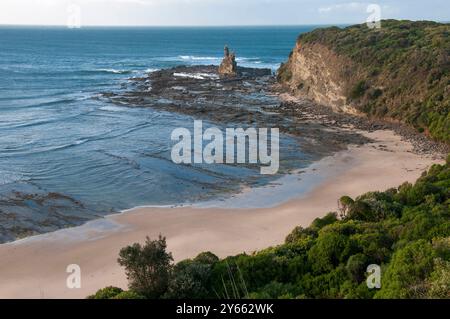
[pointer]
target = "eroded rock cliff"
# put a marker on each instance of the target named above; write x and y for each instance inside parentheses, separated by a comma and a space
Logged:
(400, 72)
(317, 72)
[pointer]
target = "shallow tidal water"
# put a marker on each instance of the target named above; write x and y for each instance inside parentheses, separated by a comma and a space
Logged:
(67, 157)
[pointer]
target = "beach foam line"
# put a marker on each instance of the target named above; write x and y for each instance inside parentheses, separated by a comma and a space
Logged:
(91, 230)
(124, 211)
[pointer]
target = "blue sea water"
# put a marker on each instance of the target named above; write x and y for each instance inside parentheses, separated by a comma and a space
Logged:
(56, 137)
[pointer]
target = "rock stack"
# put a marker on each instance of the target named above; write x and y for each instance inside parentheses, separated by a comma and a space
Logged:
(228, 67)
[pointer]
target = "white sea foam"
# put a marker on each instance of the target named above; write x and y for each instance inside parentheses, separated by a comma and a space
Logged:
(123, 71)
(198, 76)
(9, 177)
(217, 59)
(198, 58)
(115, 71)
(113, 108)
(250, 62)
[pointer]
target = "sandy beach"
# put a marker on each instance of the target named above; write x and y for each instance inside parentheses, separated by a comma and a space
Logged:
(36, 267)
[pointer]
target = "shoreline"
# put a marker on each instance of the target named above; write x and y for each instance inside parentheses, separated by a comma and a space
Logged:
(35, 267)
(310, 176)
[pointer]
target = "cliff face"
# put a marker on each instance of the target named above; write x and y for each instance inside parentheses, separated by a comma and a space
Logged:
(399, 72)
(316, 72)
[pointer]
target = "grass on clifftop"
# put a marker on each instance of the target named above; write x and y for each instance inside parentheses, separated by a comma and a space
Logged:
(403, 70)
(405, 230)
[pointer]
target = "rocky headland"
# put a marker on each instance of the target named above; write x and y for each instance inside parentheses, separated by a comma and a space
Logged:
(232, 95)
(398, 73)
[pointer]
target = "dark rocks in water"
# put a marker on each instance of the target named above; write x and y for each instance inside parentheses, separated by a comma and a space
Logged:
(33, 211)
(228, 67)
(200, 90)
(241, 101)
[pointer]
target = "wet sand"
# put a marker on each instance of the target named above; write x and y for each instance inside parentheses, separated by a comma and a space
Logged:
(36, 267)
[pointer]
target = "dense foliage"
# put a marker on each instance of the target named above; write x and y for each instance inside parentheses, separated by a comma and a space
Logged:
(400, 71)
(147, 267)
(405, 230)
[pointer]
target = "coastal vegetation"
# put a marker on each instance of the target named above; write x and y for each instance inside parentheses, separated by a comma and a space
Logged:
(399, 72)
(404, 230)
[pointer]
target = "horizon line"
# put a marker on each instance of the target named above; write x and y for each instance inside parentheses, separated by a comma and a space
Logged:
(173, 26)
(200, 25)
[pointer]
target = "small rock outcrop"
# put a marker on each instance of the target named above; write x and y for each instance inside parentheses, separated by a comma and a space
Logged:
(228, 67)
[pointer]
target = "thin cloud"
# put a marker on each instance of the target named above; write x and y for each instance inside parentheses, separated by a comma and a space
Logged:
(215, 12)
(347, 7)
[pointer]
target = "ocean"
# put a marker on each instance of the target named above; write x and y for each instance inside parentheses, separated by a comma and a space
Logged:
(67, 157)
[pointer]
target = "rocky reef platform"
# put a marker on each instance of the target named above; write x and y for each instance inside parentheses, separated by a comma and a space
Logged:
(247, 99)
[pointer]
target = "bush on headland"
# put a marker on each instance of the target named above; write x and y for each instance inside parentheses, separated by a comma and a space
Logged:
(405, 230)
(400, 71)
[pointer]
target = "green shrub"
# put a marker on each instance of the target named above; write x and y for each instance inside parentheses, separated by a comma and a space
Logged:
(358, 90)
(356, 267)
(128, 295)
(405, 274)
(189, 280)
(207, 258)
(106, 293)
(319, 223)
(147, 267)
(299, 233)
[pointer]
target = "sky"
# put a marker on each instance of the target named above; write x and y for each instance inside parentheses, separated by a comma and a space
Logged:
(213, 12)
